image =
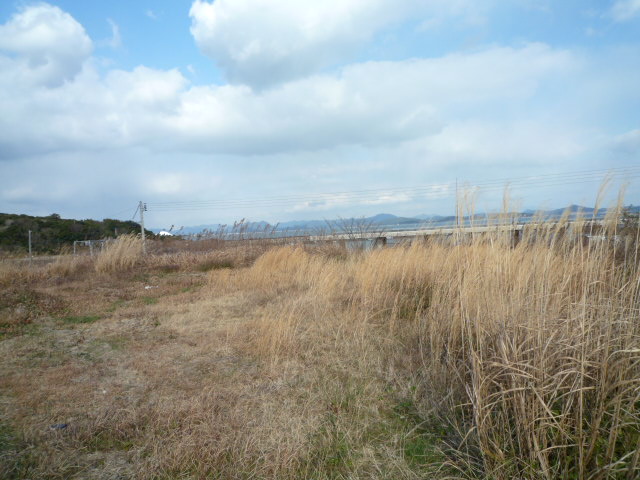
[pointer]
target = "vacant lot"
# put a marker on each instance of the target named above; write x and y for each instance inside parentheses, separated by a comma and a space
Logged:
(461, 358)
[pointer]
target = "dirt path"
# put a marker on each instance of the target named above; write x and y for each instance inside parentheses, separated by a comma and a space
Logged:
(101, 373)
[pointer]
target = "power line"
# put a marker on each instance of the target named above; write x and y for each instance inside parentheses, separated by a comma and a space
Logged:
(120, 212)
(380, 196)
(594, 174)
(415, 190)
(437, 190)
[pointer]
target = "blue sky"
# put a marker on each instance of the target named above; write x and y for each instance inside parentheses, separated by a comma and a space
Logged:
(107, 103)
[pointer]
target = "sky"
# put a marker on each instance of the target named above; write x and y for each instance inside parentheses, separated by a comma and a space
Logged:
(212, 111)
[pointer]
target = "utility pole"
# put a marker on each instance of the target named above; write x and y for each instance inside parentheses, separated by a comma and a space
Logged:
(30, 256)
(457, 206)
(142, 207)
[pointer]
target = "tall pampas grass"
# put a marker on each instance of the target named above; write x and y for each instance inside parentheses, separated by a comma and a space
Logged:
(529, 349)
(121, 254)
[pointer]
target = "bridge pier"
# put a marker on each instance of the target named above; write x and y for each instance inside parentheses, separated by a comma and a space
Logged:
(380, 242)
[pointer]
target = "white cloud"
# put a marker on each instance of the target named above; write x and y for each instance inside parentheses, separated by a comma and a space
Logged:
(261, 42)
(628, 142)
(89, 113)
(265, 42)
(333, 201)
(497, 141)
(368, 104)
(337, 200)
(116, 39)
(46, 45)
(624, 10)
(375, 103)
(178, 184)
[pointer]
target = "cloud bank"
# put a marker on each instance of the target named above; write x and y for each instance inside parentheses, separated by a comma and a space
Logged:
(298, 103)
(366, 104)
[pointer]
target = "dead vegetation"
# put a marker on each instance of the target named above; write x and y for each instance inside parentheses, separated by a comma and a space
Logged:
(457, 358)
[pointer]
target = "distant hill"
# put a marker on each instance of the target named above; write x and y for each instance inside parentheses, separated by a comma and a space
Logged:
(381, 220)
(389, 219)
(309, 225)
(434, 218)
(573, 209)
(49, 234)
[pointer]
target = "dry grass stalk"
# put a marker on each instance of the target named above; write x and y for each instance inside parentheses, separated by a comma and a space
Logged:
(538, 345)
(121, 254)
(68, 265)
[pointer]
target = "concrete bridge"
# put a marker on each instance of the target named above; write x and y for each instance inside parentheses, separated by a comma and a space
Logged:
(423, 232)
(380, 236)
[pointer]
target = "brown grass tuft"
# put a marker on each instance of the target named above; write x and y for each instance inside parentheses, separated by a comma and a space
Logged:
(536, 348)
(121, 254)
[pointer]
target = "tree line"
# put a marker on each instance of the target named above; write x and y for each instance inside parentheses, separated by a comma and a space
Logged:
(52, 233)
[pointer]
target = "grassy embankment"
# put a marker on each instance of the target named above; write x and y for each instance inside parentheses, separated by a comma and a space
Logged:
(449, 359)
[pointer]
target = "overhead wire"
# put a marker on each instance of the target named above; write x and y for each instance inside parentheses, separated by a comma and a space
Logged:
(436, 190)
(378, 197)
(596, 174)
(416, 190)
(120, 212)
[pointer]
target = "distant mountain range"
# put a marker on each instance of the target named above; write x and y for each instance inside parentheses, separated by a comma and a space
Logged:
(381, 221)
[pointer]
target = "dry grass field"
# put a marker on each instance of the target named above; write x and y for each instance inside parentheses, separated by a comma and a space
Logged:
(454, 358)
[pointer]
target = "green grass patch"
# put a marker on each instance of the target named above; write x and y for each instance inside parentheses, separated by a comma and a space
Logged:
(117, 343)
(141, 277)
(166, 269)
(21, 307)
(7, 438)
(8, 330)
(115, 305)
(107, 441)
(214, 265)
(362, 425)
(149, 300)
(420, 441)
(15, 460)
(74, 320)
